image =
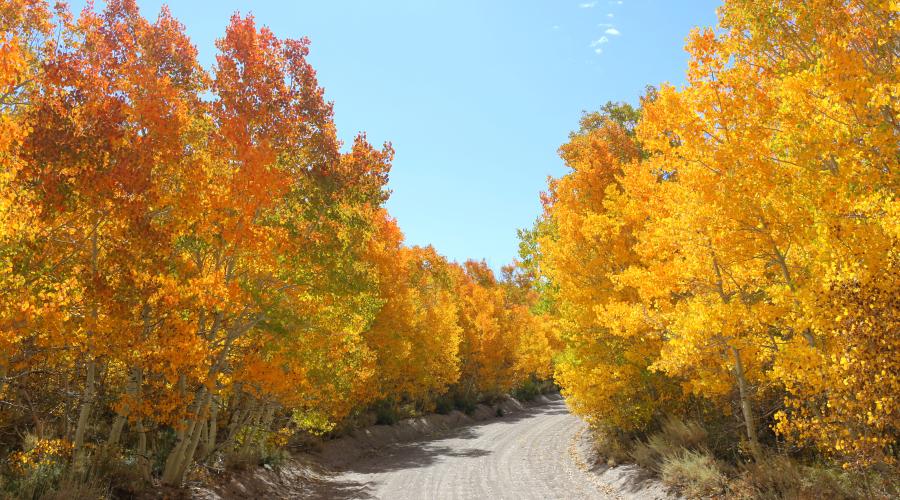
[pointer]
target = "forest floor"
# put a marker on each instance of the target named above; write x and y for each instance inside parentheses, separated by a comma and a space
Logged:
(540, 451)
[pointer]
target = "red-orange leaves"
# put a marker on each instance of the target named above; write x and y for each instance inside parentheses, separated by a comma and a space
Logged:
(189, 259)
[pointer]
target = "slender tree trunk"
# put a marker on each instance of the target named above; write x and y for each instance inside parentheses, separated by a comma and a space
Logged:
(87, 400)
(746, 406)
(260, 423)
(4, 370)
(131, 391)
(183, 454)
(212, 432)
(172, 471)
(115, 432)
(38, 423)
(143, 456)
(253, 422)
(239, 407)
(182, 393)
(85, 411)
(135, 383)
(181, 429)
(241, 418)
(204, 432)
(781, 259)
(268, 417)
(191, 449)
(67, 425)
(172, 474)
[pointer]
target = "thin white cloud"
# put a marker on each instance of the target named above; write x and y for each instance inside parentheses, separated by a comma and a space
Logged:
(610, 15)
(587, 5)
(613, 31)
(598, 50)
(606, 25)
(555, 26)
(599, 41)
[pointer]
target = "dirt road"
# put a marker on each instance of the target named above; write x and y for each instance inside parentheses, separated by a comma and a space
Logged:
(520, 456)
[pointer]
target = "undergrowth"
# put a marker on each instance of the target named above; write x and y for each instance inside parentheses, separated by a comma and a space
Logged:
(679, 452)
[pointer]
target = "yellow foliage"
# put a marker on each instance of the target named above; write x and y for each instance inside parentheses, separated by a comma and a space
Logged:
(751, 247)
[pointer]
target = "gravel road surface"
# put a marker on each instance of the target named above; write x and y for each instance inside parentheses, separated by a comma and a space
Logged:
(525, 455)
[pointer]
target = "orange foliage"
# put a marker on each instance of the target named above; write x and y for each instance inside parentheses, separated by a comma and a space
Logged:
(190, 253)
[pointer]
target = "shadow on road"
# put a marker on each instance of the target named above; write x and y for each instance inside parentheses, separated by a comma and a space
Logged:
(339, 489)
(557, 412)
(395, 458)
(412, 456)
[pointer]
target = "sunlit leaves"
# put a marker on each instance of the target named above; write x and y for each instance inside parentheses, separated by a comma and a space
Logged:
(752, 244)
(193, 253)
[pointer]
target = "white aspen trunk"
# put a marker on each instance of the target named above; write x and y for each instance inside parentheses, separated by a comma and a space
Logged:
(253, 422)
(212, 432)
(143, 456)
(4, 370)
(190, 450)
(85, 411)
(239, 404)
(131, 391)
(89, 394)
(172, 471)
(268, 418)
(183, 455)
(746, 406)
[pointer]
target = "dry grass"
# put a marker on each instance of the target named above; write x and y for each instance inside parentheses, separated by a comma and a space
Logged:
(695, 473)
(610, 446)
(674, 437)
(679, 453)
(71, 489)
(781, 477)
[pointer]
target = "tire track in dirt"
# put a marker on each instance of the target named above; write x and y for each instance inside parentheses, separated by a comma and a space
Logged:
(526, 455)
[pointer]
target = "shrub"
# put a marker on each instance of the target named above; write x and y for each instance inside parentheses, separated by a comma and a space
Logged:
(38, 468)
(71, 488)
(111, 471)
(240, 459)
(528, 390)
(694, 473)
(776, 477)
(257, 446)
(830, 482)
(465, 404)
(683, 434)
(36, 481)
(780, 476)
(443, 405)
(408, 410)
(610, 445)
(247, 458)
(645, 454)
(674, 437)
(386, 414)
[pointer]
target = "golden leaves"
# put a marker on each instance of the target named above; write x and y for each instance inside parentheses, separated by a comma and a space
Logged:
(762, 218)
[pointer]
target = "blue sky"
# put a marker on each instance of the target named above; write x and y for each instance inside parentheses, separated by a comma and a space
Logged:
(475, 95)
